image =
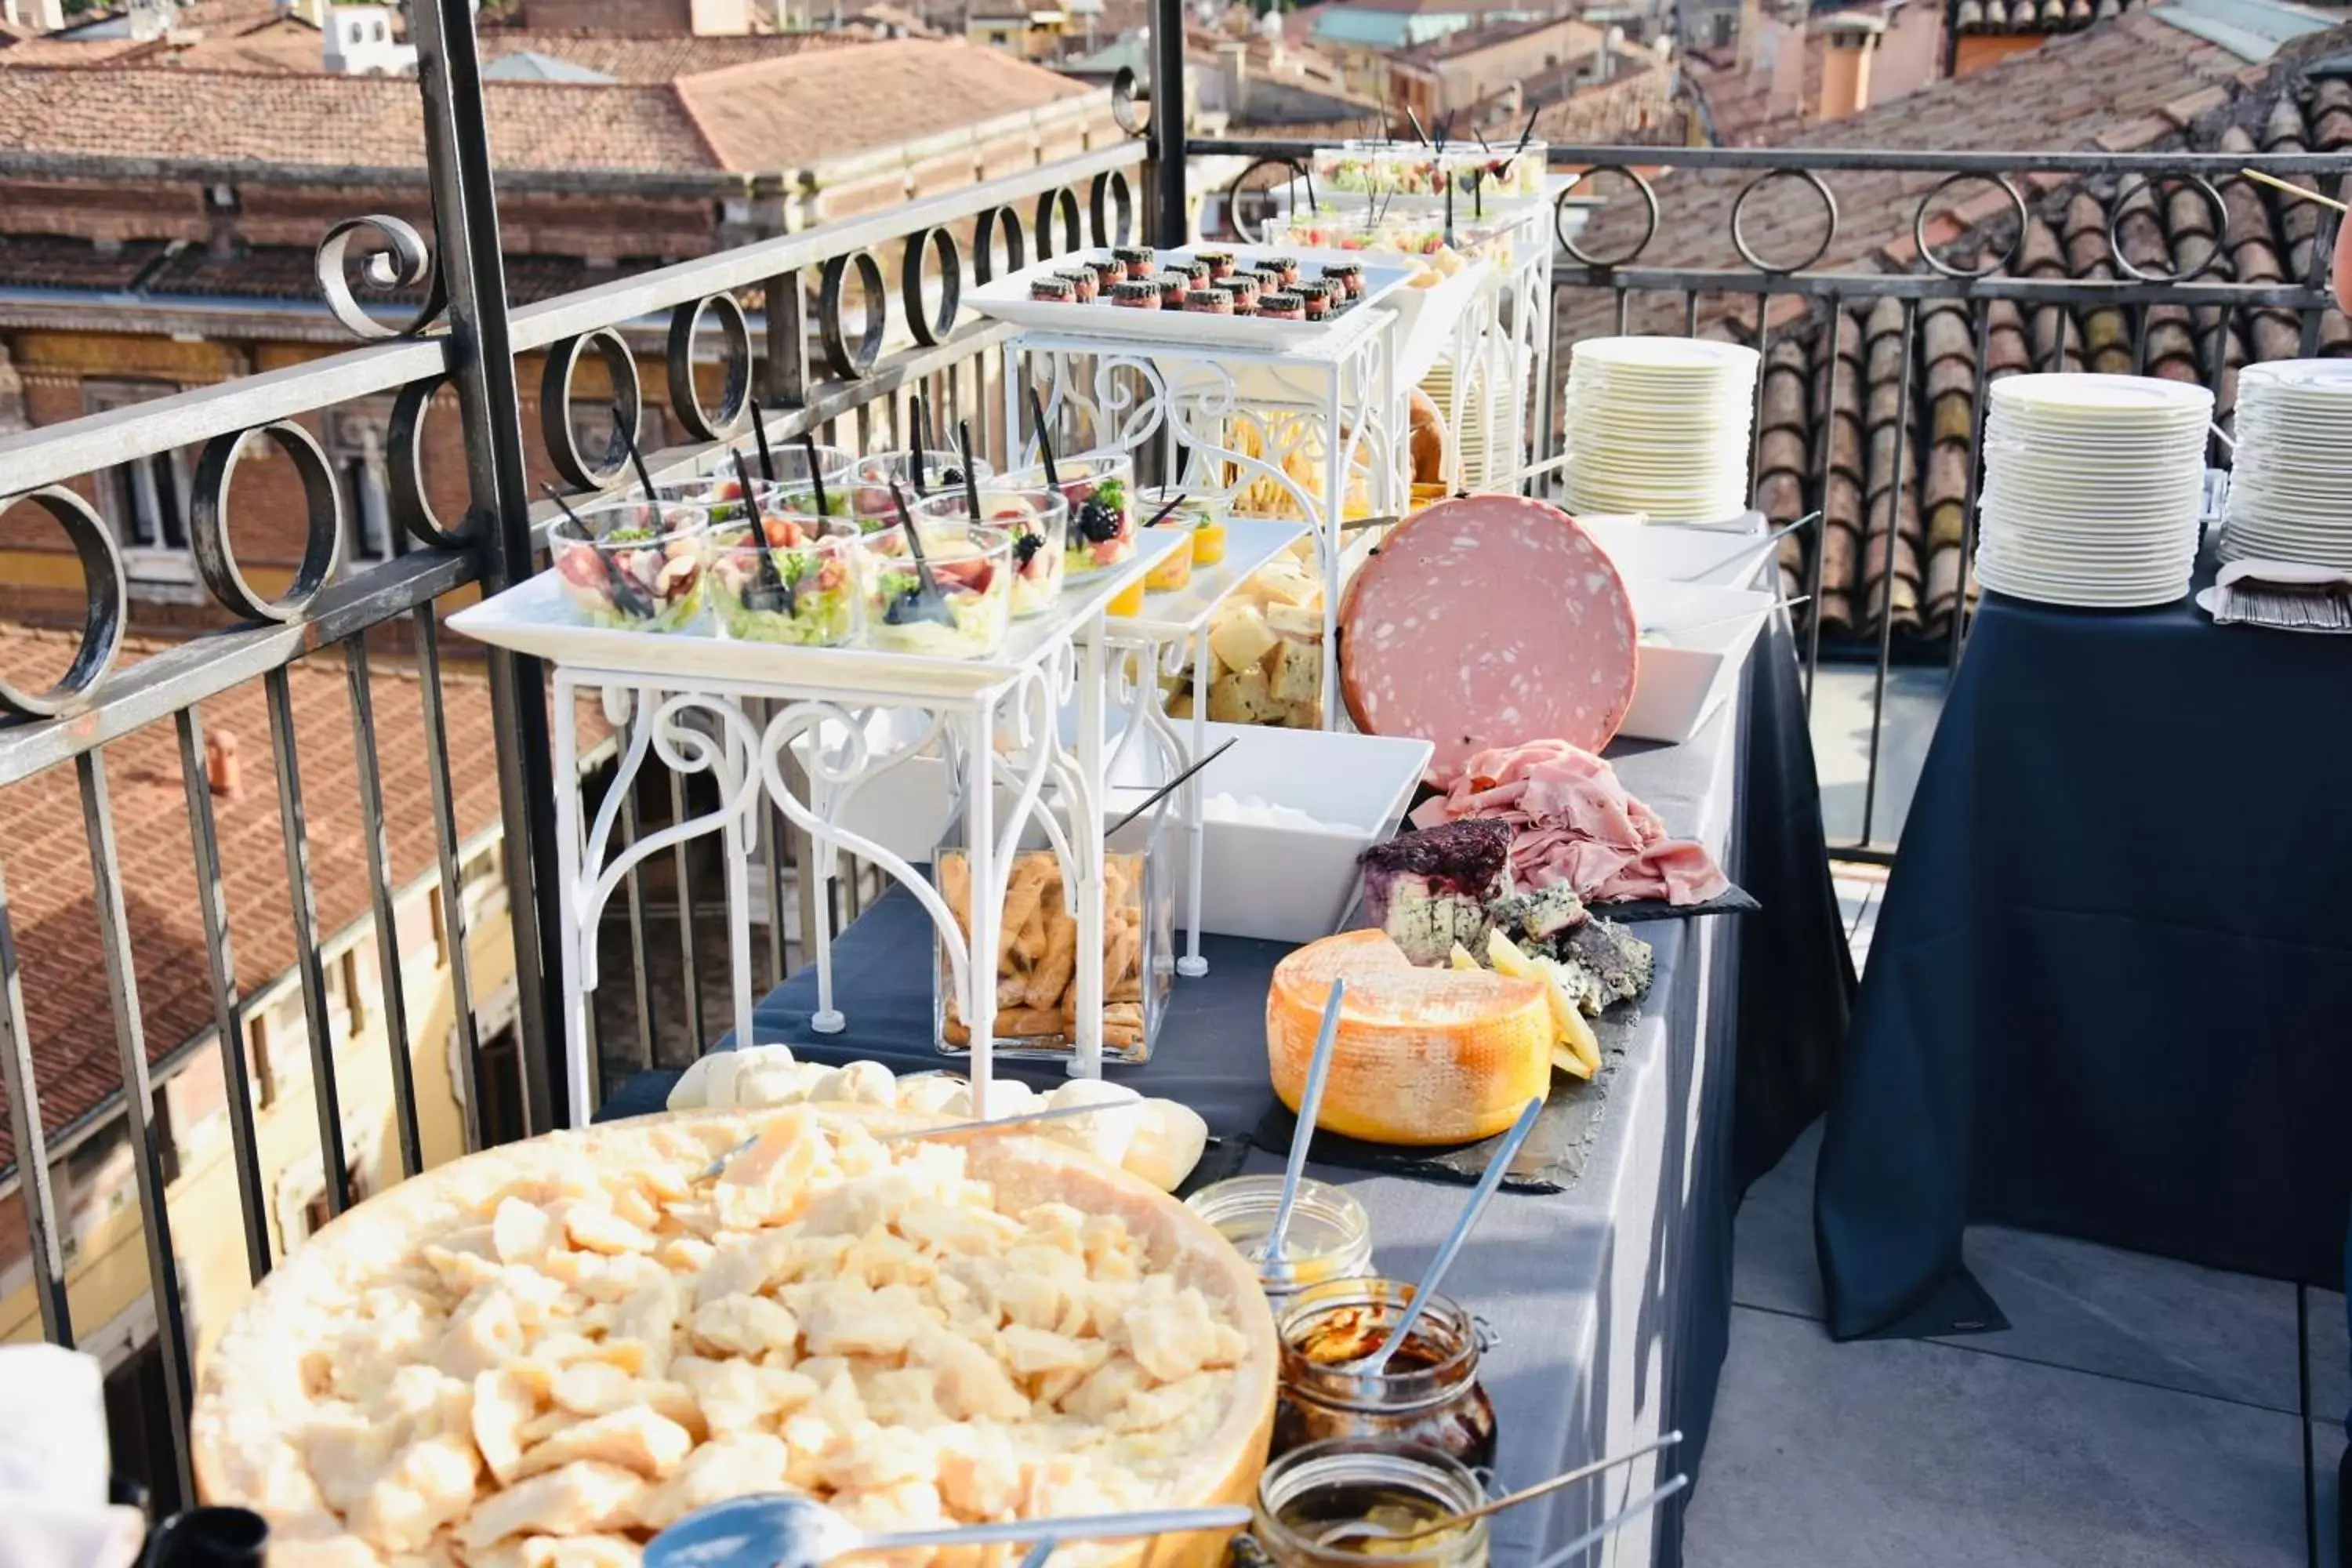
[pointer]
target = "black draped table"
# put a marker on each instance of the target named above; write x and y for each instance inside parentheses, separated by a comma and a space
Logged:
(1611, 1298)
(2108, 997)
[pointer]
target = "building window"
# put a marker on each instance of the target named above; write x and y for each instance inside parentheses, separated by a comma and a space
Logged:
(146, 500)
(355, 445)
(301, 1196)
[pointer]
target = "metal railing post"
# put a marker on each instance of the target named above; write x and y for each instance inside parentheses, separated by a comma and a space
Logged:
(466, 225)
(1169, 226)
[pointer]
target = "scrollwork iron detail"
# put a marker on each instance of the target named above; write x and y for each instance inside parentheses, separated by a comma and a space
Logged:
(1641, 188)
(1928, 203)
(931, 327)
(103, 596)
(1110, 208)
(555, 422)
(405, 457)
(1739, 221)
(1123, 100)
(1063, 202)
(735, 354)
(984, 243)
(404, 261)
(849, 361)
(208, 512)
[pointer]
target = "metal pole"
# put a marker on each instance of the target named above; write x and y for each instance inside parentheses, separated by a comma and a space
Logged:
(481, 359)
(1169, 222)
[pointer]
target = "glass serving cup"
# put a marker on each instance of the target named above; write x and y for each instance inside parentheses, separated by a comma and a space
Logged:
(1100, 489)
(1330, 1235)
(942, 470)
(1201, 519)
(790, 490)
(809, 599)
(633, 565)
(1037, 519)
(1428, 1393)
(1405, 1485)
(973, 567)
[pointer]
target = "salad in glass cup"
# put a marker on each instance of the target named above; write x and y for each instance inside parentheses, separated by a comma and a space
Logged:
(971, 569)
(803, 593)
(1037, 520)
(871, 482)
(633, 565)
(1100, 489)
(790, 490)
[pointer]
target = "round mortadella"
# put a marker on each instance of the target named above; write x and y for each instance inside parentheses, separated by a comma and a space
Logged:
(1488, 621)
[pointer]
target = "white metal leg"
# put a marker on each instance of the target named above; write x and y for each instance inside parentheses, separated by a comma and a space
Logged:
(1087, 831)
(567, 870)
(740, 838)
(1192, 965)
(987, 899)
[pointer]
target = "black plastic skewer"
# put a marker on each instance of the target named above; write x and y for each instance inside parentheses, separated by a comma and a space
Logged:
(1164, 791)
(816, 474)
(1044, 442)
(636, 461)
(760, 434)
(929, 604)
(971, 474)
(922, 446)
(766, 580)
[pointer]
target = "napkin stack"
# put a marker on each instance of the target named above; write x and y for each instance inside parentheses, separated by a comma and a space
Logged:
(54, 1465)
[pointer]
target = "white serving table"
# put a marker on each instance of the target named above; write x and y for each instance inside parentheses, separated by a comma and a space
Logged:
(687, 700)
(1172, 629)
(1342, 393)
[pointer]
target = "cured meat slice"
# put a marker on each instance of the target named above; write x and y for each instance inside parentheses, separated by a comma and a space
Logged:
(1488, 621)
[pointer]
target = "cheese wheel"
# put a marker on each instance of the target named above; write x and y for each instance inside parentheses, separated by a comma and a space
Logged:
(1488, 621)
(1423, 1055)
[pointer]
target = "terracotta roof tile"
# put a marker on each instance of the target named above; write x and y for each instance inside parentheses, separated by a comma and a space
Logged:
(46, 862)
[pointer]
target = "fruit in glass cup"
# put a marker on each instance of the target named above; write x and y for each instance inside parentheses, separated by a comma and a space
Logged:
(869, 482)
(808, 599)
(1205, 518)
(970, 568)
(1100, 489)
(633, 565)
(1037, 520)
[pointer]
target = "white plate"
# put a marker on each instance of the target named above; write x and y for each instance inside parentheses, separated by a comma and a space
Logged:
(1671, 355)
(2062, 393)
(1007, 300)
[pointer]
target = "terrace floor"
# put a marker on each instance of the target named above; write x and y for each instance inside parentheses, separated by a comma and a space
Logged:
(2140, 1413)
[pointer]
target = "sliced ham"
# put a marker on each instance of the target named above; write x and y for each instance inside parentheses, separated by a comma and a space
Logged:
(1487, 621)
(1573, 821)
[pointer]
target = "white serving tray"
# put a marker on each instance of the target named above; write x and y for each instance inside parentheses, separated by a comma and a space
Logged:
(1250, 542)
(1007, 300)
(535, 618)
(1681, 686)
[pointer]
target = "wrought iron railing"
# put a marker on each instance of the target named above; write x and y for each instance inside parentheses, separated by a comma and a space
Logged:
(850, 357)
(1880, 338)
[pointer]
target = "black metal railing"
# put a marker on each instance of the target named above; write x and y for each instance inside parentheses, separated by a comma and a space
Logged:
(1879, 338)
(806, 322)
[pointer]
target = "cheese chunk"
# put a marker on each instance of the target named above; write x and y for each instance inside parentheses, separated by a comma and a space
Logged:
(1241, 641)
(1423, 1055)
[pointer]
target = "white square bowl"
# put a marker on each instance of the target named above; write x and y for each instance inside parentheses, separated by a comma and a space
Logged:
(1672, 552)
(1681, 684)
(1283, 883)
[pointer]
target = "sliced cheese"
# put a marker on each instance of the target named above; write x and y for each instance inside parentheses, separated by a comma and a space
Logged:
(1423, 1055)
(1460, 958)
(1568, 1027)
(1241, 640)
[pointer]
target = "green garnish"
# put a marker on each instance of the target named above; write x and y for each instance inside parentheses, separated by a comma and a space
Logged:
(1111, 493)
(627, 536)
(895, 584)
(836, 503)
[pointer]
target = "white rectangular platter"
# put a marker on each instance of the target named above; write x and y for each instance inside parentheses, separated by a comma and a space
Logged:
(1007, 300)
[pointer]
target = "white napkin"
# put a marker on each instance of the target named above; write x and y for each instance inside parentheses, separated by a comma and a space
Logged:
(54, 1464)
(2280, 595)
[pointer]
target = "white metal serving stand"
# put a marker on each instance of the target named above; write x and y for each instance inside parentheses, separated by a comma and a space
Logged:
(1340, 390)
(1171, 629)
(689, 701)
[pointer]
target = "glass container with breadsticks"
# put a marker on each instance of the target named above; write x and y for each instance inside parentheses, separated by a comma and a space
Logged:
(1037, 947)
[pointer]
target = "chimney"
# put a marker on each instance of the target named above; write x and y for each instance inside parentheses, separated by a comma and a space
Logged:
(1845, 63)
(1784, 47)
(1751, 22)
(223, 772)
(1233, 64)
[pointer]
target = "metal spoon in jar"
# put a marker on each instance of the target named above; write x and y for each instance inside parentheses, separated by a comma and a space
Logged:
(1612, 1525)
(1375, 1363)
(784, 1530)
(1369, 1529)
(1276, 1260)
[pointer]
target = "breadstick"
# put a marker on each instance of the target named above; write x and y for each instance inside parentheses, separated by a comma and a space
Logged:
(1020, 896)
(955, 886)
(1052, 975)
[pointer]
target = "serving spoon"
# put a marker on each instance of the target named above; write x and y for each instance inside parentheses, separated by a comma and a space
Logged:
(1370, 1529)
(787, 1530)
(1310, 1103)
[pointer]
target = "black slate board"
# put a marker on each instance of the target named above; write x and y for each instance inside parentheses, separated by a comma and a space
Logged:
(1733, 901)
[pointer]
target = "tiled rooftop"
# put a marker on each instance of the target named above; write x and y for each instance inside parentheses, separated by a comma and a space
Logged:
(2132, 84)
(769, 114)
(50, 910)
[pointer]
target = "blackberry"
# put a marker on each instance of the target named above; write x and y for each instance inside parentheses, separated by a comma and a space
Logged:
(904, 607)
(1098, 523)
(1025, 547)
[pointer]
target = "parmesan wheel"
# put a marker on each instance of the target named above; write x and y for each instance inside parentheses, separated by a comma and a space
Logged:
(1169, 1140)
(691, 1090)
(859, 1083)
(1106, 1136)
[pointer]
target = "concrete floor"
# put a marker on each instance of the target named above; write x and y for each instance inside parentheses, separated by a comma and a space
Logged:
(2140, 1413)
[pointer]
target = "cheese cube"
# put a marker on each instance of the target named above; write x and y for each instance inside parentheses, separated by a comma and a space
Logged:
(1297, 673)
(1242, 641)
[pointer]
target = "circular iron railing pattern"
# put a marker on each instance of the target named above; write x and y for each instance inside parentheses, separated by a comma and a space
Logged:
(208, 512)
(104, 597)
(555, 422)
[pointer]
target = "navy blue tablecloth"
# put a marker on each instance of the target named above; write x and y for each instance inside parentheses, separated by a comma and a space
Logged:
(2110, 992)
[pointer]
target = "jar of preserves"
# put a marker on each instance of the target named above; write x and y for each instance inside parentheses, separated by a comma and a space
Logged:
(1429, 1392)
(1330, 1235)
(1402, 1487)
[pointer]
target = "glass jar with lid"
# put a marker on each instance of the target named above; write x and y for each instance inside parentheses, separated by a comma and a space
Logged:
(1429, 1392)
(1404, 1487)
(1330, 1235)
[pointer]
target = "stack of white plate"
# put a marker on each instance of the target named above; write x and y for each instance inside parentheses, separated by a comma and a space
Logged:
(2094, 487)
(1660, 426)
(2291, 490)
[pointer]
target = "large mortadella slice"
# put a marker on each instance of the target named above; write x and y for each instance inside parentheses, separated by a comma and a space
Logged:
(1488, 621)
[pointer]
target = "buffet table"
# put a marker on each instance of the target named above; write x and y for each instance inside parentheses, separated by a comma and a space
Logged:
(2105, 995)
(1611, 1298)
